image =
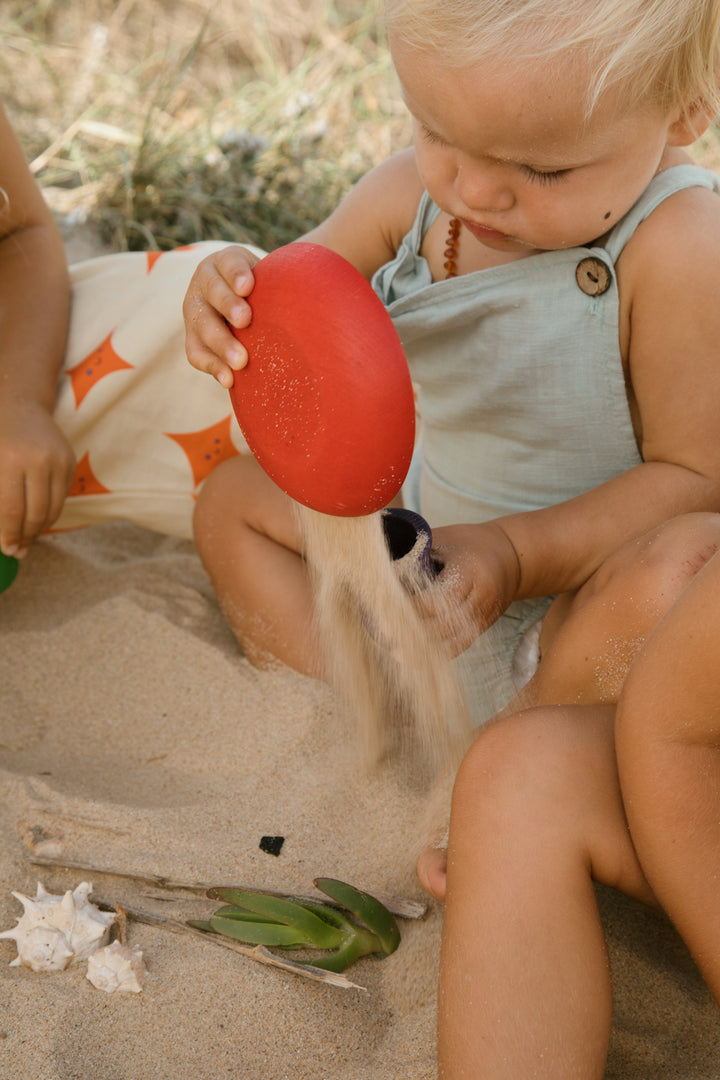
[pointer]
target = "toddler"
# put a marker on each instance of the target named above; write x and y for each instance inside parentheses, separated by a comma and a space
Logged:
(550, 256)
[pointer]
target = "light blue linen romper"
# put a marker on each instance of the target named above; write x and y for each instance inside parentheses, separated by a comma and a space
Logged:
(521, 394)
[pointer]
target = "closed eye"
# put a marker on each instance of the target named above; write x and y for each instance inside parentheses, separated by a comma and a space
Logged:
(537, 176)
(431, 136)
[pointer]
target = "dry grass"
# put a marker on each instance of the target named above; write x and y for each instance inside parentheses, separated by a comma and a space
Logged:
(169, 121)
(162, 122)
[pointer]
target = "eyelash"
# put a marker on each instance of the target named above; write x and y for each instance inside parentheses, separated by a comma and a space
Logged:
(533, 175)
(430, 136)
(536, 177)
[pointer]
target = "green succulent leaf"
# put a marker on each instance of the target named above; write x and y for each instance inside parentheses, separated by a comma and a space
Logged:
(329, 914)
(263, 933)
(341, 959)
(371, 913)
(229, 895)
(308, 928)
(239, 913)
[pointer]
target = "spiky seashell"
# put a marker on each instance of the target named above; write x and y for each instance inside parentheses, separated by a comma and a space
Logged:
(54, 931)
(117, 967)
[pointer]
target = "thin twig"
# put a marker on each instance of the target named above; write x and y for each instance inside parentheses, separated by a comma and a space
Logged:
(401, 906)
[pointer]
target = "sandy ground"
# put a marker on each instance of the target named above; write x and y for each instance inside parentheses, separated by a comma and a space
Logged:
(134, 736)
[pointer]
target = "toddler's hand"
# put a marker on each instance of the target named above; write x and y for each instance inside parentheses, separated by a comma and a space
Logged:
(216, 297)
(480, 574)
(37, 466)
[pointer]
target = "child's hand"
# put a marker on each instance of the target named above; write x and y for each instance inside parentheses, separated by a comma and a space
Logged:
(216, 297)
(37, 466)
(479, 577)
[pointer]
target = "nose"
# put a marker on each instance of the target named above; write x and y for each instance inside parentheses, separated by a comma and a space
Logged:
(484, 185)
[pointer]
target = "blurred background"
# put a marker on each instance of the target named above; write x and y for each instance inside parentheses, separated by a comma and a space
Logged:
(155, 123)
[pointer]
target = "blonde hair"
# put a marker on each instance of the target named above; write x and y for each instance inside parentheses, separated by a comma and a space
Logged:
(664, 52)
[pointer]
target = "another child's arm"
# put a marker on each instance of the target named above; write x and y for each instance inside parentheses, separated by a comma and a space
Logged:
(365, 229)
(669, 279)
(36, 461)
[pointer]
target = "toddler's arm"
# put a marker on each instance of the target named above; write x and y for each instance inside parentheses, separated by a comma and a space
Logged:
(36, 461)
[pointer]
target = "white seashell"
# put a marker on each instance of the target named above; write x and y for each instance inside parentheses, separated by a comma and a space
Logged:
(43, 949)
(54, 931)
(117, 967)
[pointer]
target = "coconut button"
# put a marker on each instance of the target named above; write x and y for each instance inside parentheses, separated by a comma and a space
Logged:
(593, 276)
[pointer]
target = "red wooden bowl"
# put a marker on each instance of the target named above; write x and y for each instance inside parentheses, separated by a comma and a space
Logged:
(325, 401)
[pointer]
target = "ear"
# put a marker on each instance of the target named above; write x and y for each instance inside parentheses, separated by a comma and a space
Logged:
(690, 124)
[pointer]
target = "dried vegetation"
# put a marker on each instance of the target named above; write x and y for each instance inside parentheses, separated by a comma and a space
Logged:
(162, 122)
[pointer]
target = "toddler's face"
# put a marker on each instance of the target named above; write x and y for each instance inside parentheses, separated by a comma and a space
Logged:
(509, 151)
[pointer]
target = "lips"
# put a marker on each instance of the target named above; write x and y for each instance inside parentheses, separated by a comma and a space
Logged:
(483, 232)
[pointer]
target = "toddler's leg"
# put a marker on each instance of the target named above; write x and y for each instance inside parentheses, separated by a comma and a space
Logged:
(668, 743)
(524, 984)
(591, 639)
(248, 539)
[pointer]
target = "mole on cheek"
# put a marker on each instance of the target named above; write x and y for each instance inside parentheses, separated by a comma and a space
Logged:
(608, 214)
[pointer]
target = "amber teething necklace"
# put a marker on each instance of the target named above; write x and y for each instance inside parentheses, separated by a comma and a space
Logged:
(451, 249)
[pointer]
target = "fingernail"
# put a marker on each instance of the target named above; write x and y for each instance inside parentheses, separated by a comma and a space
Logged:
(225, 379)
(236, 358)
(237, 315)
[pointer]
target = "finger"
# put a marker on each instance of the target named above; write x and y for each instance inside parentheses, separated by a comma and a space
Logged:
(449, 592)
(37, 506)
(210, 363)
(60, 484)
(12, 515)
(210, 308)
(205, 330)
(216, 282)
(212, 334)
(234, 264)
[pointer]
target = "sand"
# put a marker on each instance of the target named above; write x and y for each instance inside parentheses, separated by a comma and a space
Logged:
(134, 735)
(379, 652)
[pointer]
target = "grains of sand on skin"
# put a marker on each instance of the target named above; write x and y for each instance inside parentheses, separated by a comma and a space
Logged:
(379, 654)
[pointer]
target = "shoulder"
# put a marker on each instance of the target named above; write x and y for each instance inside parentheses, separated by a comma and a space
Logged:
(371, 221)
(672, 262)
(682, 234)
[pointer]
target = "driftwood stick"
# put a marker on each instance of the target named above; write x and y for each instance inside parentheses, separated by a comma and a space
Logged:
(403, 907)
(257, 953)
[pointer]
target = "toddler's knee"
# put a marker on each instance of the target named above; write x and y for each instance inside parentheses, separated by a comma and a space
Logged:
(510, 764)
(222, 498)
(685, 543)
(542, 772)
(656, 567)
(675, 553)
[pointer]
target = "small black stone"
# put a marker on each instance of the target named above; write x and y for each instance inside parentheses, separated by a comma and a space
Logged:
(272, 845)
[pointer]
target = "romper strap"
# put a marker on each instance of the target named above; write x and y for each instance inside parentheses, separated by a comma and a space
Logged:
(660, 188)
